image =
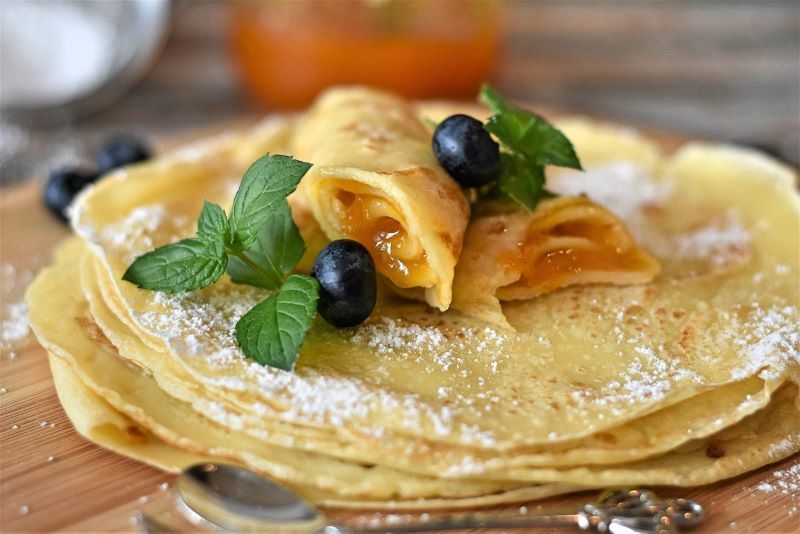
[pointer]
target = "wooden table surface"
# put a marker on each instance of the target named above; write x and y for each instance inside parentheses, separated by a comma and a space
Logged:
(52, 479)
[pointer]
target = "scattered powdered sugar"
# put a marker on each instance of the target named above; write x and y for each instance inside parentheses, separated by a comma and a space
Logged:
(786, 481)
(721, 242)
(201, 323)
(629, 190)
(14, 313)
(783, 447)
(15, 323)
(649, 377)
(772, 341)
(427, 344)
(623, 187)
(136, 232)
(395, 336)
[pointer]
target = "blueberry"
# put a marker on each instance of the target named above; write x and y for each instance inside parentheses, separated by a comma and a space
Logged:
(61, 188)
(348, 287)
(120, 151)
(466, 151)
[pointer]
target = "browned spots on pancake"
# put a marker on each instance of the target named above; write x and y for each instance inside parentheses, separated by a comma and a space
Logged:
(577, 384)
(634, 309)
(715, 449)
(450, 243)
(134, 434)
(651, 292)
(605, 437)
(410, 171)
(555, 406)
(651, 209)
(687, 332)
(95, 334)
(678, 314)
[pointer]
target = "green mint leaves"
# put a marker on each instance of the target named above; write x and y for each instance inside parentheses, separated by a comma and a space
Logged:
(265, 185)
(529, 143)
(277, 249)
(259, 244)
(213, 224)
(183, 266)
(275, 329)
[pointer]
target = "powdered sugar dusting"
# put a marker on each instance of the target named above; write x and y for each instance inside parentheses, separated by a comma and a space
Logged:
(623, 187)
(15, 323)
(14, 312)
(772, 341)
(722, 242)
(784, 482)
(429, 345)
(141, 230)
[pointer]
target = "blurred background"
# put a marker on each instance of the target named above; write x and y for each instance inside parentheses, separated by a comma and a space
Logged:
(74, 72)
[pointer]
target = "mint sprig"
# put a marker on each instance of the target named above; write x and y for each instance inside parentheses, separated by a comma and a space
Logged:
(187, 265)
(277, 249)
(275, 329)
(265, 185)
(258, 244)
(529, 143)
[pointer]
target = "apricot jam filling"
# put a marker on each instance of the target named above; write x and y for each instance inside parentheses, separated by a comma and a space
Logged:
(375, 223)
(547, 259)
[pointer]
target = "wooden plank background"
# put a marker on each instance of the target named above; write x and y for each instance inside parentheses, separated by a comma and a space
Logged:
(718, 69)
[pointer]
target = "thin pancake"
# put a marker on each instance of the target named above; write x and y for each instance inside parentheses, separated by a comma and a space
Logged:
(511, 253)
(376, 180)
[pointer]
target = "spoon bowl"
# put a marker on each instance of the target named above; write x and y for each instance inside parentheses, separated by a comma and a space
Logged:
(237, 499)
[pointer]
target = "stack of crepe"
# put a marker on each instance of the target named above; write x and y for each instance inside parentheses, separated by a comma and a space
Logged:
(662, 351)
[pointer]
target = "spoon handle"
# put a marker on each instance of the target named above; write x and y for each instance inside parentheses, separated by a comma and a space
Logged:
(619, 512)
(465, 522)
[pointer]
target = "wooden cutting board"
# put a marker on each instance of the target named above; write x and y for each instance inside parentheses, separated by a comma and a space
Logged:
(52, 479)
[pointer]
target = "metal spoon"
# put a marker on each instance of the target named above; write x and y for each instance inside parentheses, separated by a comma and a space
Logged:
(233, 498)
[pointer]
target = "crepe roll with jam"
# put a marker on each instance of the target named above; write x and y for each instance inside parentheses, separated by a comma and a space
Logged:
(511, 253)
(375, 180)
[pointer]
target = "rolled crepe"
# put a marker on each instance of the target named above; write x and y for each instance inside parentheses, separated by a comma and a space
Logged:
(511, 254)
(375, 180)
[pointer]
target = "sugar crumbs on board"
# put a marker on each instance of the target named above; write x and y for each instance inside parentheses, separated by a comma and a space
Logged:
(786, 482)
(14, 313)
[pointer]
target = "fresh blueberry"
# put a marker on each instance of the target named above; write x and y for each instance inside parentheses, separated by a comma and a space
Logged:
(120, 151)
(61, 188)
(466, 151)
(348, 287)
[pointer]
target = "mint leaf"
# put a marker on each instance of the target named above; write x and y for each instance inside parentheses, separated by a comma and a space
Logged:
(528, 134)
(520, 180)
(265, 185)
(275, 252)
(274, 330)
(491, 98)
(183, 266)
(212, 224)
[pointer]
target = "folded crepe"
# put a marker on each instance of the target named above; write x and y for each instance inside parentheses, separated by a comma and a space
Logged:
(511, 253)
(375, 179)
